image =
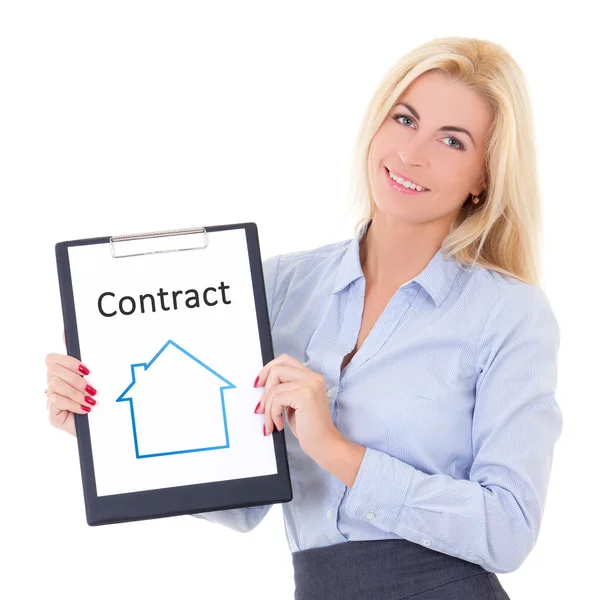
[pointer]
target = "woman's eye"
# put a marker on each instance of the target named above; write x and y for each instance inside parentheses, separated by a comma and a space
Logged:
(402, 117)
(459, 146)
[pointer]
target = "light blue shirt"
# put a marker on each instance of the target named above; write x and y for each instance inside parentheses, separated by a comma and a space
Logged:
(452, 394)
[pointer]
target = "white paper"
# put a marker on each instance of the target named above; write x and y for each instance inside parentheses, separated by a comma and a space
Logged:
(186, 417)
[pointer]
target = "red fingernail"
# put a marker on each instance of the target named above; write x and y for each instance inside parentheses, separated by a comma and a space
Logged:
(256, 380)
(86, 408)
(90, 390)
(257, 406)
(264, 430)
(89, 400)
(84, 369)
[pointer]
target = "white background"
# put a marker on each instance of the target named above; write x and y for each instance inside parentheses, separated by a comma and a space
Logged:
(120, 117)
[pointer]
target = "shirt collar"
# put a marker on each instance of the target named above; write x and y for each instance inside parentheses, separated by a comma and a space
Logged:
(436, 279)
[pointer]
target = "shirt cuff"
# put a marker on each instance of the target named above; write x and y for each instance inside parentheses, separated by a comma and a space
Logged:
(379, 489)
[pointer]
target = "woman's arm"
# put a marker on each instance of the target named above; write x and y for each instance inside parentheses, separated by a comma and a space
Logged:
(493, 518)
(239, 519)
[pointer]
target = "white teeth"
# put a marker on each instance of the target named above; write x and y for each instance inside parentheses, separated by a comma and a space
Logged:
(406, 183)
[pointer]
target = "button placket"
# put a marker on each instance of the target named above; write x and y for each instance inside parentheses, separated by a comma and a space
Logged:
(394, 315)
(354, 311)
(347, 334)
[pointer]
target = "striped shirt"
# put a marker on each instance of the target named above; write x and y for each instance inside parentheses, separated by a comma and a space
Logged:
(452, 393)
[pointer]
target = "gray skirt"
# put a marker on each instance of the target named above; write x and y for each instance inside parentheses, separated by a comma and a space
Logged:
(389, 570)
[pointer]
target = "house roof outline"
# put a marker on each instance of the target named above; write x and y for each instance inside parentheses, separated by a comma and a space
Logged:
(124, 398)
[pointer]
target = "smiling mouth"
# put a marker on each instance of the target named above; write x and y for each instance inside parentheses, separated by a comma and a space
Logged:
(408, 188)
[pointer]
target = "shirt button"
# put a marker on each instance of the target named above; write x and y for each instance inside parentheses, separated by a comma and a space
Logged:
(329, 514)
(329, 393)
(426, 542)
(370, 515)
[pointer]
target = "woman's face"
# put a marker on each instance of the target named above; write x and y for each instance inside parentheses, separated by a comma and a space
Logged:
(448, 163)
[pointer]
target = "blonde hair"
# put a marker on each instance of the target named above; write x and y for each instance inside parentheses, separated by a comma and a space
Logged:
(503, 231)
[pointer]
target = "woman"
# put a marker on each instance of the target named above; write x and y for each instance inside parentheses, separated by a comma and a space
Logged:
(416, 363)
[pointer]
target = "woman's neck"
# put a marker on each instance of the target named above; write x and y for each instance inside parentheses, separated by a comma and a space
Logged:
(393, 252)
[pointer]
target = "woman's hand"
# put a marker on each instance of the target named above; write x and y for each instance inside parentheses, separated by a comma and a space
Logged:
(68, 391)
(302, 393)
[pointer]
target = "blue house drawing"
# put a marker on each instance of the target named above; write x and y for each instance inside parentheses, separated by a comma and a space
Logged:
(179, 404)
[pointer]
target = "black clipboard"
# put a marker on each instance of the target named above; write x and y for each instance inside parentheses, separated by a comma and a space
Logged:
(184, 499)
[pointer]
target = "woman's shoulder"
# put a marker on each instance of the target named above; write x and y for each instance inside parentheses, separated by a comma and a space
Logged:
(302, 263)
(290, 274)
(511, 291)
(516, 308)
(314, 255)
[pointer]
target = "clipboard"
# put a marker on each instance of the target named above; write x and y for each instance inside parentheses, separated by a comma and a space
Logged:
(174, 326)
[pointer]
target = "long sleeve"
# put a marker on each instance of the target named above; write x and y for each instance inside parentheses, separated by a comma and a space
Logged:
(239, 519)
(492, 519)
(247, 518)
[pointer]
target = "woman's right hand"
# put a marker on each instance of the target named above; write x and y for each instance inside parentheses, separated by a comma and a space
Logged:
(66, 392)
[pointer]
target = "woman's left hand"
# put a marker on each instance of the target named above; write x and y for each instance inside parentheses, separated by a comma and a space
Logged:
(302, 393)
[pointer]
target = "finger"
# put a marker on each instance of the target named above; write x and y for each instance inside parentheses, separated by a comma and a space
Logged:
(69, 362)
(66, 383)
(265, 408)
(64, 338)
(282, 359)
(273, 379)
(57, 403)
(280, 373)
(277, 404)
(277, 375)
(277, 397)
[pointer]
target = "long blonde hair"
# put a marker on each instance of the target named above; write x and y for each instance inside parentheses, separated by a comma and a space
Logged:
(503, 231)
